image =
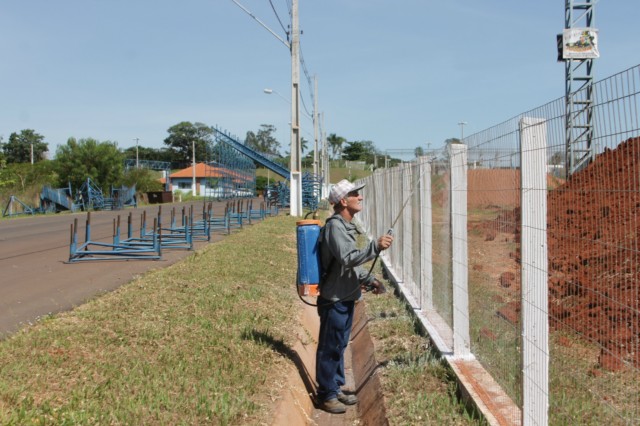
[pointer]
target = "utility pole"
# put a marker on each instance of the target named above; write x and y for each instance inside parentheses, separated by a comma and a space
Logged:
(193, 184)
(295, 201)
(316, 157)
(315, 125)
(327, 164)
(137, 139)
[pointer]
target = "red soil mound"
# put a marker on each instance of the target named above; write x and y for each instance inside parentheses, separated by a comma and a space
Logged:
(497, 187)
(593, 233)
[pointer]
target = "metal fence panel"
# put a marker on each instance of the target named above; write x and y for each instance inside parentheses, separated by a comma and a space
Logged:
(552, 264)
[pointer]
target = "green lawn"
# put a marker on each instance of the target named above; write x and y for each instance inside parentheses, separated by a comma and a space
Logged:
(202, 342)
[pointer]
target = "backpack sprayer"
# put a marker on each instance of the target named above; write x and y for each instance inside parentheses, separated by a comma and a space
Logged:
(309, 262)
(310, 270)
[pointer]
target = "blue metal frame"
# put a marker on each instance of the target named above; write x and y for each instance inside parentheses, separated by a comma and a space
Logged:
(9, 209)
(118, 250)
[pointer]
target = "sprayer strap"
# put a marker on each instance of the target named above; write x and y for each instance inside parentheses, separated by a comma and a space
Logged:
(325, 273)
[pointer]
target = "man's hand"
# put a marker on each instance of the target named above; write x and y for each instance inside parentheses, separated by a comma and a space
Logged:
(378, 287)
(384, 242)
(375, 286)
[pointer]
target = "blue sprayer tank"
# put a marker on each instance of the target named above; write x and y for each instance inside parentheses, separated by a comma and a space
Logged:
(309, 264)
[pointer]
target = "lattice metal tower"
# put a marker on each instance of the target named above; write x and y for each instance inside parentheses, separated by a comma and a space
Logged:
(578, 92)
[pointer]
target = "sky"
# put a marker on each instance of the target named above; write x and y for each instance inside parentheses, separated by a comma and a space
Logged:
(401, 74)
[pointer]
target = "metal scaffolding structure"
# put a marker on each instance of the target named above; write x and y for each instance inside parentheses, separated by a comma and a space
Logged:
(578, 82)
(231, 172)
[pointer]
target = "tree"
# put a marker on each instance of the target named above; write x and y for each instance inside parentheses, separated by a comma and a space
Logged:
(80, 159)
(149, 154)
(182, 137)
(18, 148)
(419, 151)
(359, 151)
(145, 180)
(20, 177)
(263, 141)
(336, 142)
(3, 158)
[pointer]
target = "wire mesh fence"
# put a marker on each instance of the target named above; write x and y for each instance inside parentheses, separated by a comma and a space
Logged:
(541, 283)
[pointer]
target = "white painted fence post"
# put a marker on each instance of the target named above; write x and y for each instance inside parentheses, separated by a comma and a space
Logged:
(535, 318)
(407, 230)
(460, 267)
(426, 235)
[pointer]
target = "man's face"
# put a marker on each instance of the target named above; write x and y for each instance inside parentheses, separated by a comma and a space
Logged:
(353, 202)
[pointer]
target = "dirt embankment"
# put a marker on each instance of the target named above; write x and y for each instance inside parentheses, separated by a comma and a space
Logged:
(593, 233)
(593, 236)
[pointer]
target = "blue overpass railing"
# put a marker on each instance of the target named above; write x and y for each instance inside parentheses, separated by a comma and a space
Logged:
(254, 155)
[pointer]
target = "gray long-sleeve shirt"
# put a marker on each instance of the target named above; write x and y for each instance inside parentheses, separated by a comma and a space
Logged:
(344, 276)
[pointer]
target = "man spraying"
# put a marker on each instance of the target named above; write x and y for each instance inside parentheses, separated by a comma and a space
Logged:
(340, 287)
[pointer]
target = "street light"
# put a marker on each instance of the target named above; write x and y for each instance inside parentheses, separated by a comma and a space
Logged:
(270, 91)
(462, 124)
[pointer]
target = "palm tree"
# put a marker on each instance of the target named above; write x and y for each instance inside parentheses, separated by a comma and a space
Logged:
(336, 144)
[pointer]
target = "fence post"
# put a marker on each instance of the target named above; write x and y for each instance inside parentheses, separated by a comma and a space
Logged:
(407, 231)
(535, 319)
(460, 267)
(395, 186)
(426, 234)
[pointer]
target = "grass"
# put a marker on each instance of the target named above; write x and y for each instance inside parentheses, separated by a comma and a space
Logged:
(419, 387)
(204, 341)
(190, 344)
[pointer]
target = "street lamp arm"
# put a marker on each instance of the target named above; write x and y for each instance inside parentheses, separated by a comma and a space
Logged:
(263, 24)
(270, 91)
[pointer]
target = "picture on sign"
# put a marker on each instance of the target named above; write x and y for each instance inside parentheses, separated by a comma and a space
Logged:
(580, 43)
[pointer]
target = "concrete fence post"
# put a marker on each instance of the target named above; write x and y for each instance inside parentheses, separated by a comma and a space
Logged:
(460, 267)
(535, 323)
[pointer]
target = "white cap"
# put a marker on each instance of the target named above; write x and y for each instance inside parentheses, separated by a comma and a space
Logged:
(341, 189)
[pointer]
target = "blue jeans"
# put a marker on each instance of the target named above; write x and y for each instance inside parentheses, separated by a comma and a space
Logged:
(335, 329)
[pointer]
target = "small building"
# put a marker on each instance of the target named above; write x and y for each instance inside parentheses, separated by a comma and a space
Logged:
(212, 181)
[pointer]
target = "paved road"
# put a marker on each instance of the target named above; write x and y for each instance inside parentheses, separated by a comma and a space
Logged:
(36, 281)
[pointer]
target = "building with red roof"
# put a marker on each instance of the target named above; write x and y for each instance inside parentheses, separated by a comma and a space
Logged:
(212, 181)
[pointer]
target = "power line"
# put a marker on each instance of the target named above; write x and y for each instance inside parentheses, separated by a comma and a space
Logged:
(286, 43)
(278, 18)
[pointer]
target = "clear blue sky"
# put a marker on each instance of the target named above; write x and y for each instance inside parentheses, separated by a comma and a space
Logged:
(399, 73)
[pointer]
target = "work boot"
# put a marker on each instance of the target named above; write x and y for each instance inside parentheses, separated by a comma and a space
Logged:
(333, 406)
(347, 399)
